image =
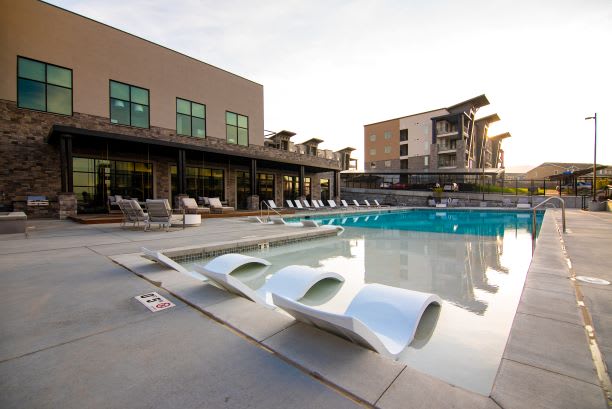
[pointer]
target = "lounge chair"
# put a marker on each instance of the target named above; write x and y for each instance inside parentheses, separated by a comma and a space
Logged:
(290, 204)
(132, 212)
(344, 204)
(380, 317)
(191, 206)
(272, 205)
(380, 205)
(443, 203)
(431, 203)
(507, 203)
(291, 282)
(453, 202)
(217, 207)
(315, 204)
(308, 206)
(332, 204)
(367, 203)
(321, 204)
(523, 203)
(161, 258)
(299, 206)
(356, 203)
(159, 212)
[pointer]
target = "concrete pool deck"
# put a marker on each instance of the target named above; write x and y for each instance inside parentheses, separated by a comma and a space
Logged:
(73, 335)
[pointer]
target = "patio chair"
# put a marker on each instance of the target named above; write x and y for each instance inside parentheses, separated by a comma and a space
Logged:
(380, 317)
(292, 282)
(159, 212)
(332, 204)
(132, 212)
(191, 206)
(217, 207)
(507, 203)
(166, 261)
(431, 203)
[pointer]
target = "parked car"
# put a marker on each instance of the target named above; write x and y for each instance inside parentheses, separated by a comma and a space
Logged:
(580, 186)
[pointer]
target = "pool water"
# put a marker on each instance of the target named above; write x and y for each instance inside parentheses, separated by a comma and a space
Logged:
(476, 261)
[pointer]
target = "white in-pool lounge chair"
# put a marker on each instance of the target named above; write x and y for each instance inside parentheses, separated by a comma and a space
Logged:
(293, 282)
(523, 203)
(161, 258)
(380, 317)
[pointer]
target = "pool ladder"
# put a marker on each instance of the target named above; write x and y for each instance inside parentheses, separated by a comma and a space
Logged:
(533, 218)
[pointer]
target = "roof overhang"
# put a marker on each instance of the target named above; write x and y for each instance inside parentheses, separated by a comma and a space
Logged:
(577, 173)
(79, 134)
(476, 102)
(500, 136)
(489, 118)
(312, 141)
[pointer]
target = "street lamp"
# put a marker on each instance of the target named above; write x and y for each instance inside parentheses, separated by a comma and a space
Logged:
(594, 157)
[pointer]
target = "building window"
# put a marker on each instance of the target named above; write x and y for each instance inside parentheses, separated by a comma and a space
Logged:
(387, 149)
(237, 128)
(44, 87)
(129, 105)
(426, 160)
(324, 189)
(404, 150)
(201, 182)
(388, 135)
(265, 186)
(307, 191)
(387, 164)
(403, 135)
(372, 152)
(291, 187)
(372, 138)
(190, 118)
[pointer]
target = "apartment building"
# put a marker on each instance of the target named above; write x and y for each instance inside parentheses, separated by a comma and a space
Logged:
(441, 139)
(88, 111)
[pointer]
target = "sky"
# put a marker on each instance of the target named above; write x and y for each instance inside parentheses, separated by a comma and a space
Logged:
(329, 67)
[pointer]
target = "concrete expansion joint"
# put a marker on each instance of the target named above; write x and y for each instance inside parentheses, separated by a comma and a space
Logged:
(388, 386)
(551, 319)
(550, 371)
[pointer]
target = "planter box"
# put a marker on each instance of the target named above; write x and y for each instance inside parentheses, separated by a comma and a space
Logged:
(13, 222)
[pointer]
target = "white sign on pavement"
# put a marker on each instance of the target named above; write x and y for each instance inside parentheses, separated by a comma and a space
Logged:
(154, 301)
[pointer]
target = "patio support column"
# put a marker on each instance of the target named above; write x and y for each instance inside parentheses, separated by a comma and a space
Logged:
(66, 162)
(301, 184)
(181, 177)
(253, 199)
(336, 185)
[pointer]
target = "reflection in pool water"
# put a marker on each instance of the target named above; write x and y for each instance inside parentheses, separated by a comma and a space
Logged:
(476, 263)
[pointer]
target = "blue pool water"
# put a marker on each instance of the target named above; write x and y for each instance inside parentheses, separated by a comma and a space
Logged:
(475, 260)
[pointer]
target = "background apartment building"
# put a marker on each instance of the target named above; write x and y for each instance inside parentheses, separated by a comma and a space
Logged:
(441, 139)
(88, 112)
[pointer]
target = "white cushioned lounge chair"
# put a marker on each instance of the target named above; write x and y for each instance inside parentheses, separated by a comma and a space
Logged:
(356, 203)
(132, 212)
(292, 282)
(190, 206)
(380, 317)
(217, 207)
(161, 258)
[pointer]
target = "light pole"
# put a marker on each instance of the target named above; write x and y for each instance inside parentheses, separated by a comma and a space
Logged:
(594, 157)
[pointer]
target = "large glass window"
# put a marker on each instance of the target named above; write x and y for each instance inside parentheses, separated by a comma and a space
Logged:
(265, 186)
(129, 105)
(201, 182)
(307, 188)
(291, 187)
(403, 135)
(96, 179)
(237, 128)
(324, 189)
(190, 118)
(243, 188)
(44, 87)
(404, 150)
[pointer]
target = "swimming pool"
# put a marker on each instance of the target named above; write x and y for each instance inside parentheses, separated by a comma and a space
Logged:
(476, 261)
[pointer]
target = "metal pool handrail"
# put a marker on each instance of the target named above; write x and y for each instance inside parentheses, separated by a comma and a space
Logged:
(261, 209)
(533, 219)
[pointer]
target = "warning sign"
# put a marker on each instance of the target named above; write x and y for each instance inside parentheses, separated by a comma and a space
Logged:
(154, 301)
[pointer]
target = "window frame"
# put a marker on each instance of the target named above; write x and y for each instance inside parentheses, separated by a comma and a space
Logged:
(191, 117)
(110, 107)
(237, 128)
(46, 84)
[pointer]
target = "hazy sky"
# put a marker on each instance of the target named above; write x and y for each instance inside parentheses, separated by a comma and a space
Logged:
(329, 67)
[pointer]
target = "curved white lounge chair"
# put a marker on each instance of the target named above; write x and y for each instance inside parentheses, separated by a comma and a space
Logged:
(292, 282)
(219, 271)
(380, 317)
(161, 258)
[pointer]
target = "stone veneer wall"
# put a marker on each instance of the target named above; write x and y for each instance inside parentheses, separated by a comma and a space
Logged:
(31, 166)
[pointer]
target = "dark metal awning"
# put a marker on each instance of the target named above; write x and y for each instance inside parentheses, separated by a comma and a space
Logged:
(265, 158)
